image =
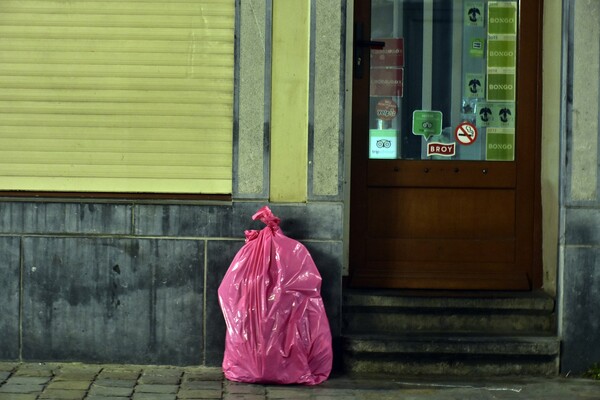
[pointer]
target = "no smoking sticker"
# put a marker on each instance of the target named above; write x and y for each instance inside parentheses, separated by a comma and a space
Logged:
(466, 133)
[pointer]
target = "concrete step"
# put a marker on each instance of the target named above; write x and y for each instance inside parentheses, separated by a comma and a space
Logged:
(452, 333)
(397, 312)
(451, 354)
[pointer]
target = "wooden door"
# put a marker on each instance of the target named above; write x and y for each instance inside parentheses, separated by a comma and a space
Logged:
(422, 218)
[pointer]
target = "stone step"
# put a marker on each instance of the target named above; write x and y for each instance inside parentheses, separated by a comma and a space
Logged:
(392, 313)
(435, 354)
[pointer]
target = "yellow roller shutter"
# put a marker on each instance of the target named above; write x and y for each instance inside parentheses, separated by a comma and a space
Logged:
(116, 95)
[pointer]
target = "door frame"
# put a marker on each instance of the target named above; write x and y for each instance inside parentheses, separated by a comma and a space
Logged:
(529, 88)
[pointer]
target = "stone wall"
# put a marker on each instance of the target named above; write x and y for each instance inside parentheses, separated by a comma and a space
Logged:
(580, 241)
(136, 283)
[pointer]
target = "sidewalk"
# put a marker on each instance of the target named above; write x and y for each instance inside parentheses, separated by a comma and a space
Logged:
(73, 381)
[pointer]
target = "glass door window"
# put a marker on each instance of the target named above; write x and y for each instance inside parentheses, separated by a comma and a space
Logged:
(443, 80)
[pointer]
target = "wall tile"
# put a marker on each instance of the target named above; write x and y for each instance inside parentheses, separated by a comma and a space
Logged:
(113, 300)
(582, 226)
(305, 221)
(581, 305)
(84, 218)
(9, 297)
(184, 220)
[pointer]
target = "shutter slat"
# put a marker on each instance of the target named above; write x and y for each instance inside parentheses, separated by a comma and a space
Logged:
(128, 185)
(209, 111)
(99, 133)
(217, 85)
(115, 159)
(72, 72)
(123, 121)
(116, 96)
(27, 147)
(83, 32)
(100, 171)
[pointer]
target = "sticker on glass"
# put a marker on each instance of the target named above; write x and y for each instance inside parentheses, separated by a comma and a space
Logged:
(427, 123)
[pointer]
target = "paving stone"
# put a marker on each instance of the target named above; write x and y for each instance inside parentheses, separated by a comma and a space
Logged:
(145, 388)
(34, 370)
(4, 376)
(154, 396)
(120, 373)
(77, 372)
(244, 388)
(98, 390)
(163, 371)
(159, 379)
(11, 388)
(115, 383)
(274, 392)
(13, 396)
(63, 394)
(7, 366)
(69, 385)
(95, 397)
(28, 380)
(203, 374)
(243, 396)
(196, 385)
(199, 394)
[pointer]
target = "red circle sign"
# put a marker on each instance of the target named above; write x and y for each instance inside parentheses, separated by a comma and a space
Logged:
(466, 133)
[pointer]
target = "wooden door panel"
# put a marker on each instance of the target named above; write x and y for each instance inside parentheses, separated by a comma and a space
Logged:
(460, 250)
(425, 173)
(441, 213)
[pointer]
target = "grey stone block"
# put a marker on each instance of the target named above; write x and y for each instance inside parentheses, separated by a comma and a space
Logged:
(582, 226)
(184, 220)
(9, 297)
(581, 309)
(113, 300)
(299, 221)
(85, 218)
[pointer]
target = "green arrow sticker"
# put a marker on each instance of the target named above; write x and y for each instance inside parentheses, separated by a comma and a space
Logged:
(427, 123)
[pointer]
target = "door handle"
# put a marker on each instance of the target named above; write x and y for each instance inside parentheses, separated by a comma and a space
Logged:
(359, 45)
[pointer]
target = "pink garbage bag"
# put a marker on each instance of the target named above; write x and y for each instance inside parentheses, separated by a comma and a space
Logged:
(277, 329)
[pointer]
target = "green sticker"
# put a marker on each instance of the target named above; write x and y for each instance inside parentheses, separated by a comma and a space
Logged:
(502, 18)
(501, 87)
(474, 86)
(476, 49)
(383, 143)
(503, 115)
(474, 13)
(502, 53)
(427, 123)
(500, 144)
(485, 115)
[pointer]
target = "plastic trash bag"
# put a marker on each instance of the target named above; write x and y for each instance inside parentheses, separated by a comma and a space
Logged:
(277, 329)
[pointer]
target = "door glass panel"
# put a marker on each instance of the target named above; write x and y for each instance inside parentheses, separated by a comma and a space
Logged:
(443, 80)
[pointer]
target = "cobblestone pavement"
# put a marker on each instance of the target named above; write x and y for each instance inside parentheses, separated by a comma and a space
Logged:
(68, 381)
